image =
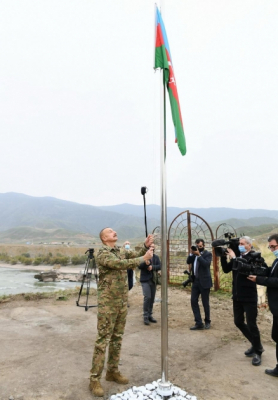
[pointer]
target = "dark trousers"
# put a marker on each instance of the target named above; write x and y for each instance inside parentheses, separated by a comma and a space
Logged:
(130, 278)
(196, 291)
(149, 289)
(274, 334)
(249, 329)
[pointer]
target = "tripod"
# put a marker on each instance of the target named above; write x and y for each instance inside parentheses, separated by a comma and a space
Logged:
(90, 265)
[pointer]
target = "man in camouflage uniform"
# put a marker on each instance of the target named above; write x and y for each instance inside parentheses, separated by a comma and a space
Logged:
(112, 305)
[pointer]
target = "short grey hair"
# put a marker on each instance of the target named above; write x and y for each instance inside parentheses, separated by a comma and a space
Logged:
(247, 239)
(101, 233)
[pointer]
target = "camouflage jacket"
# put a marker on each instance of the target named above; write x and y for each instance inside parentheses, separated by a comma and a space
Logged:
(113, 263)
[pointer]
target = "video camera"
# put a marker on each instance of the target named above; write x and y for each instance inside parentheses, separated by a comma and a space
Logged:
(91, 253)
(230, 241)
(189, 280)
(254, 264)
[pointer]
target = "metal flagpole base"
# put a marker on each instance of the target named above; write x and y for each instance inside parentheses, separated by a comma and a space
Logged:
(164, 388)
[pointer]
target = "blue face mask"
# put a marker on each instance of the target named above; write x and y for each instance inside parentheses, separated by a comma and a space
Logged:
(275, 252)
(127, 246)
(242, 249)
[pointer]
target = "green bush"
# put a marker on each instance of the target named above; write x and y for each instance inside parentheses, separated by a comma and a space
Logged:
(46, 259)
(26, 260)
(4, 257)
(26, 255)
(77, 260)
(64, 260)
(37, 261)
(59, 260)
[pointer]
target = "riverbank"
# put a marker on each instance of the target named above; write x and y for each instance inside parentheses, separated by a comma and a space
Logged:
(62, 270)
(47, 348)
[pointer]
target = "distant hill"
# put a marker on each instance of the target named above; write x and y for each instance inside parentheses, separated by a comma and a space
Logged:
(258, 232)
(48, 216)
(20, 210)
(239, 223)
(209, 214)
(26, 234)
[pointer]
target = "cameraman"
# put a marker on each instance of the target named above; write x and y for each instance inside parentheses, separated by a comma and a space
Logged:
(271, 281)
(200, 260)
(245, 299)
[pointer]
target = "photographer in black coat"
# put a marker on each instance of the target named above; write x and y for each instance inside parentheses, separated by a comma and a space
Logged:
(200, 260)
(245, 299)
(271, 281)
(149, 286)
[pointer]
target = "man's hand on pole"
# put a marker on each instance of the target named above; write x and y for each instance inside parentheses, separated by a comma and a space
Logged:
(148, 255)
(149, 241)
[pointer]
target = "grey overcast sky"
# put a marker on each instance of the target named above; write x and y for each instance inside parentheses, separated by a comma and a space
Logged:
(79, 101)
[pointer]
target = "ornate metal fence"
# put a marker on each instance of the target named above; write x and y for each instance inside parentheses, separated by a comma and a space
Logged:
(182, 233)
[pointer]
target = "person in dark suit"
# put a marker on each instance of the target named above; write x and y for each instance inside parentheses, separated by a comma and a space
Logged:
(199, 261)
(271, 281)
(149, 286)
(245, 300)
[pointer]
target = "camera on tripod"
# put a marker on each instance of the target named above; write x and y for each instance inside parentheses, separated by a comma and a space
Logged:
(189, 280)
(254, 264)
(90, 268)
(91, 253)
(230, 242)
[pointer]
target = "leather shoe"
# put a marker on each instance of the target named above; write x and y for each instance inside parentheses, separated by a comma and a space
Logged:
(250, 352)
(256, 360)
(146, 321)
(197, 327)
(151, 319)
(207, 325)
(272, 372)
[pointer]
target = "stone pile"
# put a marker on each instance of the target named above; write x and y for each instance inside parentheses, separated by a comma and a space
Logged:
(149, 392)
(53, 276)
(49, 276)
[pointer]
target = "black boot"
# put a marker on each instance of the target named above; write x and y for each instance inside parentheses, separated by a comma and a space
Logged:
(146, 321)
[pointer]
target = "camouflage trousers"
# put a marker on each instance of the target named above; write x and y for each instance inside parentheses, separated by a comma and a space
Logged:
(111, 326)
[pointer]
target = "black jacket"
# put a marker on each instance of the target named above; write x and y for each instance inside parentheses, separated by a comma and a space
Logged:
(204, 274)
(271, 281)
(243, 289)
(146, 275)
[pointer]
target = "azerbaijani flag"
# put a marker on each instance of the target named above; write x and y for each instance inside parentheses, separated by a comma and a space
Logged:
(163, 60)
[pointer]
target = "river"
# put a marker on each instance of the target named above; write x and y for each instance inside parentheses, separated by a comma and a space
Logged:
(15, 281)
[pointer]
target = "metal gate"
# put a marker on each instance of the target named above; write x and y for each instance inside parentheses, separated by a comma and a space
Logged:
(182, 233)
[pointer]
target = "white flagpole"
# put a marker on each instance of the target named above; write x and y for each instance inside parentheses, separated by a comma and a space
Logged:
(164, 386)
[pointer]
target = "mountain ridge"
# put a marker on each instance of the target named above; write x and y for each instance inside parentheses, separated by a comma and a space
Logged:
(20, 210)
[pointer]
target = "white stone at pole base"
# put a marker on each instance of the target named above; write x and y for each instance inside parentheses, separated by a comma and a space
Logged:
(150, 392)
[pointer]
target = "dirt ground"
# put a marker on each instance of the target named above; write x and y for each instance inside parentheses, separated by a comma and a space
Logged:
(46, 350)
